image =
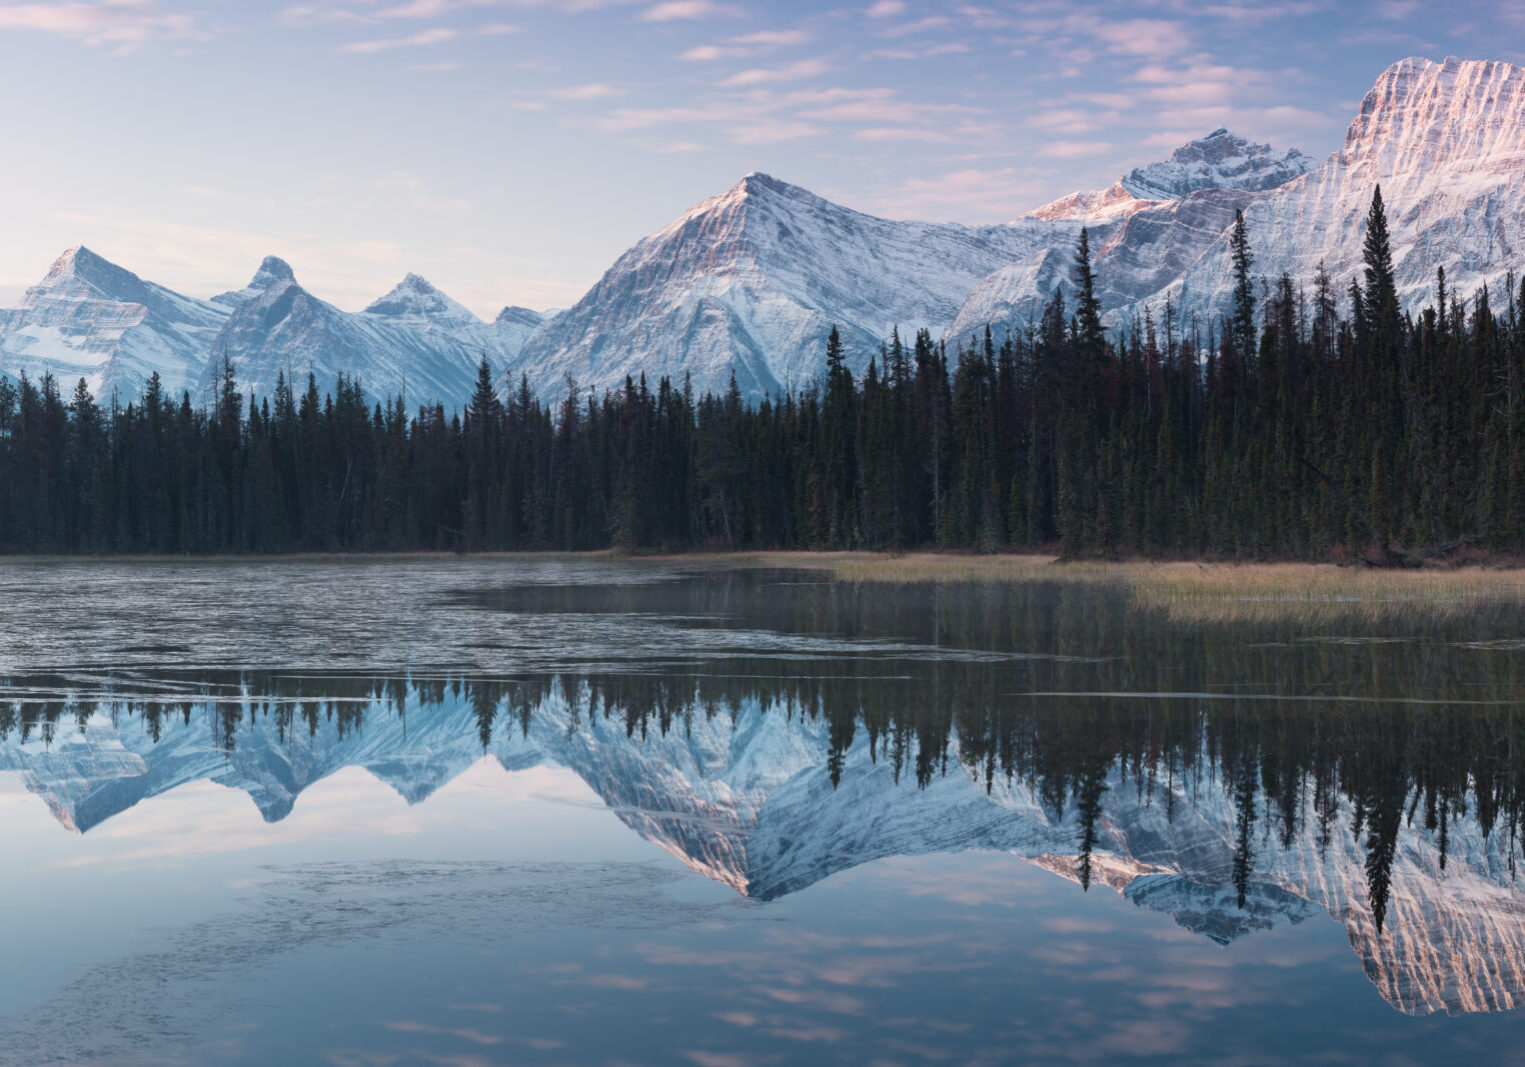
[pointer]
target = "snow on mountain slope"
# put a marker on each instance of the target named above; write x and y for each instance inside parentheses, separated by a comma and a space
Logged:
(89, 318)
(1446, 142)
(1102, 205)
(753, 280)
(1220, 160)
(515, 326)
(415, 341)
(1134, 260)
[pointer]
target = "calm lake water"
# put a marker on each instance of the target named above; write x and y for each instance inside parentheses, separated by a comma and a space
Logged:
(474, 812)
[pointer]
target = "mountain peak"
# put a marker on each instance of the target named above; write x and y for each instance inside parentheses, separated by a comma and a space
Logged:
(514, 315)
(76, 262)
(1220, 160)
(272, 271)
(81, 271)
(416, 297)
(756, 184)
(274, 274)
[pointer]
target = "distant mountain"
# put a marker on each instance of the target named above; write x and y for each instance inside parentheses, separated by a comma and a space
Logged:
(752, 281)
(1136, 257)
(1220, 160)
(415, 341)
(91, 319)
(1446, 143)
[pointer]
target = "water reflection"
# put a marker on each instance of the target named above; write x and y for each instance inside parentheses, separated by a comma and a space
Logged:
(770, 733)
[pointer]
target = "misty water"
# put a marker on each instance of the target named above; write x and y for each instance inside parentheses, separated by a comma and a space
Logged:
(479, 812)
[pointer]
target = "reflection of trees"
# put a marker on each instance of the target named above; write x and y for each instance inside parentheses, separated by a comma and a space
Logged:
(978, 679)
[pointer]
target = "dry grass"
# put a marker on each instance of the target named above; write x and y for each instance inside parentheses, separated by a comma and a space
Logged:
(1225, 592)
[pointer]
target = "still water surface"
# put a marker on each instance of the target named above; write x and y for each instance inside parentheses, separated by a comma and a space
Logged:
(476, 812)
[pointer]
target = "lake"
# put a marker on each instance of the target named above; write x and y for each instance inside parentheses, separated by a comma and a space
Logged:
(574, 811)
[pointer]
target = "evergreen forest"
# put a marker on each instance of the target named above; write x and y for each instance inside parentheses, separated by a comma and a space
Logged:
(1308, 424)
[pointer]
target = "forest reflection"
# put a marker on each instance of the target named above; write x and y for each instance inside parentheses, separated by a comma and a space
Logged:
(1406, 720)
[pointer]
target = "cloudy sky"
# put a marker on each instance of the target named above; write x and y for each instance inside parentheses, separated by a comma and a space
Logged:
(509, 150)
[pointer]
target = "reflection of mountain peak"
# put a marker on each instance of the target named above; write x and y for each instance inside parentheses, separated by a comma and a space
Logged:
(744, 798)
(1213, 910)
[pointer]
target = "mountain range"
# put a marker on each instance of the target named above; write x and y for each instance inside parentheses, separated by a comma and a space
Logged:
(749, 282)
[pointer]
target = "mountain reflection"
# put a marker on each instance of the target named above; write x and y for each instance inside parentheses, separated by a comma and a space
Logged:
(1235, 777)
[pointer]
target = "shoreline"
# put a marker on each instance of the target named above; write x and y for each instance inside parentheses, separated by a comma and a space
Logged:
(892, 567)
(1180, 591)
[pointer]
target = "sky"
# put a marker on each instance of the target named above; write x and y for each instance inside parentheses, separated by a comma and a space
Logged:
(510, 150)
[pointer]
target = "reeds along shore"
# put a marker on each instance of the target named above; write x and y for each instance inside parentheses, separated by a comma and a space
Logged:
(1187, 590)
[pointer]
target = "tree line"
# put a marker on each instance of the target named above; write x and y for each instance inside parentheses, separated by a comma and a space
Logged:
(1301, 425)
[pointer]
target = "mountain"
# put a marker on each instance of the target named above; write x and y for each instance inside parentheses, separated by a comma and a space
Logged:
(91, 319)
(1446, 142)
(752, 281)
(1221, 160)
(745, 799)
(1135, 259)
(414, 341)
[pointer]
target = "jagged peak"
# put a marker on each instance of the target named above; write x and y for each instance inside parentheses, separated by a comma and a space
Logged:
(272, 271)
(274, 275)
(1218, 160)
(79, 261)
(414, 283)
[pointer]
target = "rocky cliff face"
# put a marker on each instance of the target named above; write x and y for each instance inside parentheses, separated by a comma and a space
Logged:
(1220, 160)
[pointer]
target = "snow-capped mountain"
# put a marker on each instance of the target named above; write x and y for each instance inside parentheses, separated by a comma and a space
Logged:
(752, 281)
(1446, 142)
(1220, 160)
(91, 319)
(745, 799)
(1134, 259)
(415, 341)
